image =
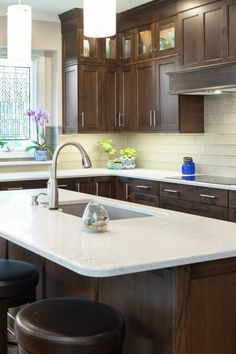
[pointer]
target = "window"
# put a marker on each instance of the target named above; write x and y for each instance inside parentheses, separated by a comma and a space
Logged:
(14, 102)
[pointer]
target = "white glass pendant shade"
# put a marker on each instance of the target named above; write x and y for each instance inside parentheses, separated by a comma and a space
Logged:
(19, 23)
(99, 18)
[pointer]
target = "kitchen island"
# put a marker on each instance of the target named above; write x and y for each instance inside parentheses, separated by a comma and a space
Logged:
(172, 275)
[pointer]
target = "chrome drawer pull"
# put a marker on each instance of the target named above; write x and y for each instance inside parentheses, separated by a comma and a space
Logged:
(171, 191)
(208, 196)
(62, 185)
(82, 119)
(143, 187)
(126, 191)
(78, 187)
(97, 188)
(15, 189)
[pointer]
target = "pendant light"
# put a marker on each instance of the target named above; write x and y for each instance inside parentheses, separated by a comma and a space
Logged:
(19, 23)
(99, 18)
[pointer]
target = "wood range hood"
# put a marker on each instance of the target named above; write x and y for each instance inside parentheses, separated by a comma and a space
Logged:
(204, 80)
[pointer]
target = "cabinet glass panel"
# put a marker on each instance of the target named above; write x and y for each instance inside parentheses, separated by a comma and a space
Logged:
(89, 47)
(167, 36)
(111, 48)
(126, 46)
(144, 41)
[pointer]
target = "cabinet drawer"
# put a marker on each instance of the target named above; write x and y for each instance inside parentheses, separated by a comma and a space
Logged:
(142, 186)
(144, 199)
(210, 196)
(232, 199)
(15, 185)
(210, 211)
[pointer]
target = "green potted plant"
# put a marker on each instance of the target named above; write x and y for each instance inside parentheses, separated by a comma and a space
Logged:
(106, 145)
(40, 147)
(128, 156)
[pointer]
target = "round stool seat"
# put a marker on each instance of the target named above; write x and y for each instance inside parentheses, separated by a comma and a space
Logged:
(16, 278)
(69, 326)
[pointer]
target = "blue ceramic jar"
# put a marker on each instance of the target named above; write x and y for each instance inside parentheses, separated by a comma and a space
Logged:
(188, 167)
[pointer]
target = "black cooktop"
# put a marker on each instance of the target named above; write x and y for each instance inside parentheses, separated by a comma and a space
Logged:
(207, 179)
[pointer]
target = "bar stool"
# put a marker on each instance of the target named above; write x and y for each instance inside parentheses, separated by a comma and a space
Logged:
(18, 281)
(69, 326)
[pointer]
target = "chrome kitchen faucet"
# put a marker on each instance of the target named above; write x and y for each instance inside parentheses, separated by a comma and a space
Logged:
(52, 182)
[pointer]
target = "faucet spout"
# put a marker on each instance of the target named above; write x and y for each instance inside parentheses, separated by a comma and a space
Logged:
(52, 182)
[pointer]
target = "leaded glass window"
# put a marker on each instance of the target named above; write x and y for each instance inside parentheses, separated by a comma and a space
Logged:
(14, 102)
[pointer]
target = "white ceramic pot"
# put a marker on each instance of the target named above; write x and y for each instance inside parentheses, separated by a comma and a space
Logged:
(128, 162)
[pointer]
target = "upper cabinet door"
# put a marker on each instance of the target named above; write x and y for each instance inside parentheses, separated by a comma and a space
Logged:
(90, 49)
(128, 107)
(110, 91)
(165, 43)
(109, 50)
(167, 106)
(202, 35)
(89, 97)
(144, 41)
(126, 46)
(146, 88)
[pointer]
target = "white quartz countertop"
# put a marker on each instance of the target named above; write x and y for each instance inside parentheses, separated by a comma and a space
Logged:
(151, 174)
(164, 239)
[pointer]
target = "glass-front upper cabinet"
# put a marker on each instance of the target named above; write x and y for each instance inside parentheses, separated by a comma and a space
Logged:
(145, 41)
(89, 49)
(109, 50)
(166, 37)
(126, 45)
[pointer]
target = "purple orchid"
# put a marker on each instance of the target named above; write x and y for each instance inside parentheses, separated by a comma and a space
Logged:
(40, 118)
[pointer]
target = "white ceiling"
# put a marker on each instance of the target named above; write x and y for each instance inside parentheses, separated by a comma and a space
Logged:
(49, 9)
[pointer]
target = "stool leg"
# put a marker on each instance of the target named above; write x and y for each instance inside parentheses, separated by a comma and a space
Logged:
(3, 327)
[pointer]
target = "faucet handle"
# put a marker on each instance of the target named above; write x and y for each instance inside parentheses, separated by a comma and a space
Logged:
(34, 198)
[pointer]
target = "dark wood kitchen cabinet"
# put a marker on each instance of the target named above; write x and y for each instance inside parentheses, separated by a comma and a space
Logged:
(109, 120)
(204, 34)
(103, 186)
(210, 202)
(91, 106)
(157, 110)
(128, 108)
(137, 190)
(146, 95)
(89, 98)
(126, 42)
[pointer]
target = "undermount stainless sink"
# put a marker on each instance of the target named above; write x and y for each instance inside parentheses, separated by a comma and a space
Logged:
(115, 213)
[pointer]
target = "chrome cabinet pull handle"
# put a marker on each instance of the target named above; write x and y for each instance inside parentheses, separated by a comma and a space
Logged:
(97, 188)
(143, 187)
(126, 191)
(171, 191)
(154, 118)
(208, 196)
(78, 187)
(150, 118)
(62, 185)
(15, 189)
(82, 119)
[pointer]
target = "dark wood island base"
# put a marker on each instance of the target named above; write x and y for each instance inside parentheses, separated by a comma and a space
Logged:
(182, 310)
